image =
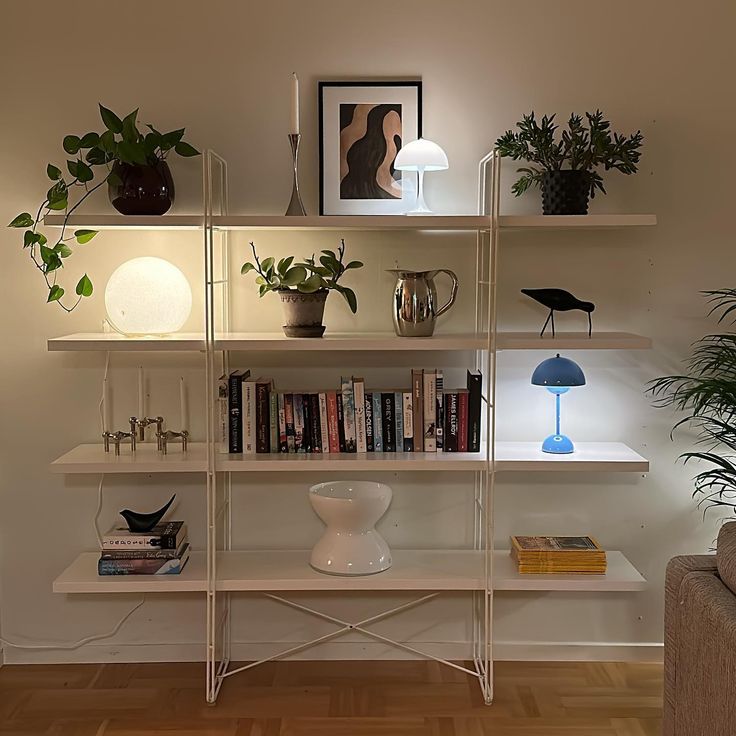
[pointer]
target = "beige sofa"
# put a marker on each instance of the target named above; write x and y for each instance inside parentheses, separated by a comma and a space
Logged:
(700, 642)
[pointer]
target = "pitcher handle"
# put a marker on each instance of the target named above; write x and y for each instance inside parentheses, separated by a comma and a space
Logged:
(453, 293)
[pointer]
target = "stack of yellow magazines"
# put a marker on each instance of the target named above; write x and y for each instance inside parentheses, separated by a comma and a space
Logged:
(558, 555)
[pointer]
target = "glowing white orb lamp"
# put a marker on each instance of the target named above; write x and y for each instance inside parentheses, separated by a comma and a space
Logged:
(421, 155)
(147, 296)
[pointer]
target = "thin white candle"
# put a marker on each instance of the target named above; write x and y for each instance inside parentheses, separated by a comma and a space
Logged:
(141, 397)
(106, 407)
(294, 128)
(183, 403)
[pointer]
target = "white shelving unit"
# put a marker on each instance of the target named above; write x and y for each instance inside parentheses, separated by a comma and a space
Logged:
(219, 570)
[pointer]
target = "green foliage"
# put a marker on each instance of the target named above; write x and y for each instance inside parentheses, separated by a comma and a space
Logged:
(121, 141)
(580, 147)
(307, 276)
(706, 391)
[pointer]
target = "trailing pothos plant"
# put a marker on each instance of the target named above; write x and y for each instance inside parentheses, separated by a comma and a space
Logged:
(120, 142)
(307, 276)
(581, 148)
(706, 390)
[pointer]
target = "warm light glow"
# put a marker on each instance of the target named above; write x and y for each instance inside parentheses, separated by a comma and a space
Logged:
(148, 296)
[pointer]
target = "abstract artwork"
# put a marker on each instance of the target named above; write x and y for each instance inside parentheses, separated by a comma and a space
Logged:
(362, 127)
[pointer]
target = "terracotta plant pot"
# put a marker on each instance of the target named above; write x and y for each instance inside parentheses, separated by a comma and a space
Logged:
(145, 190)
(565, 192)
(303, 313)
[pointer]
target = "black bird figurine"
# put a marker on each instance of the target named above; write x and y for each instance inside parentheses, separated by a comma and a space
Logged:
(138, 522)
(559, 300)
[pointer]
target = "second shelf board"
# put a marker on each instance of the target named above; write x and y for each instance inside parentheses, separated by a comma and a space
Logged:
(289, 570)
(510, 457)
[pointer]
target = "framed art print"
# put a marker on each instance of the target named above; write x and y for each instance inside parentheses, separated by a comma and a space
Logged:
(362, 127)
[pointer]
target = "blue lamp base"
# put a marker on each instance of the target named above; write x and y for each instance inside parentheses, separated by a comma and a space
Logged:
(558, 444)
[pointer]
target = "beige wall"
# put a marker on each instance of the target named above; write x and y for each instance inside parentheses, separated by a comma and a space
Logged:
(221, 69)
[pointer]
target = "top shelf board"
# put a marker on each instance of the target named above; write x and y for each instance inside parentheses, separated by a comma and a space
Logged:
(470, 223)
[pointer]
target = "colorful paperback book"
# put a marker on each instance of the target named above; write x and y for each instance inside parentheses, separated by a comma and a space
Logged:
(249, 417)
(475, 386)
(283, 440)
(361, 444)
(273, 422)
(263, 412)
(290, 424)
(377, 423)
(332, 421)
(324, 422)
(340, 423)
(166, 535)
(143, 554)
(452, 417)
(299, 443)
(141, 566)
(417, 395)
(315, 429)
(408, 422)
(430, 411)
(440, 412)
(223, 416)
(389, 421)
(462, 424)
(399, 419)
(235, 410)
(369, 421)
(348, 411)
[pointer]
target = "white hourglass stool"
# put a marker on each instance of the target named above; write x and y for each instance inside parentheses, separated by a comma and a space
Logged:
(350, 509)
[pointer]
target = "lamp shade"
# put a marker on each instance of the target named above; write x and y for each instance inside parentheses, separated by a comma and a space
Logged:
(421, 154)
(148, 296)
(558, 371)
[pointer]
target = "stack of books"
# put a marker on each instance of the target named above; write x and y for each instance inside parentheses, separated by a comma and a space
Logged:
(424, 417)
(162, 551)
(561, 555)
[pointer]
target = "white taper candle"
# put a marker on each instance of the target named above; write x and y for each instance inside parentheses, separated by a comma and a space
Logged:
(183, 403)
(294, 127)
(141, 397)
(106, 407)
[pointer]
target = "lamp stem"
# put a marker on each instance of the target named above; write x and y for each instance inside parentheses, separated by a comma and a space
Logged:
(557, 414)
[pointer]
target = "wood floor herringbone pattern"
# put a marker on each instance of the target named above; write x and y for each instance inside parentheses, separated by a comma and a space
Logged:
(332, 699)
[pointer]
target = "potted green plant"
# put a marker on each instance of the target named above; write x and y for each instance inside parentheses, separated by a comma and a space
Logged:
(706, 391)
(139, 182)
(304, 287)
(567, 170)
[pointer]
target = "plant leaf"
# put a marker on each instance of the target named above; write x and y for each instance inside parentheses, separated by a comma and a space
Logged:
(24, 219)
(247, 268)
(71, 144)
(351, 299)
(130, 131)
(84, 236)
(312, 284)
(112, 122)
(84, 286)
(184, 149)
(55, 293)
(89, 140)
(132, 153)
(53, 172)
(169, 140)
(63, 250)
(294, 276)
(97, 156)
(84, 173)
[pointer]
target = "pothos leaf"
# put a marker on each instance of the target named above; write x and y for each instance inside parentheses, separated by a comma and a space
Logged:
(84, 286)
(55, 293)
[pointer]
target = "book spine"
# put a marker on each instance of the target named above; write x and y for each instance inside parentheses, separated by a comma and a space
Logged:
(399, 419)
(340, 423)
(323, 423)
(474, 385)
(417, 401)
(249, 417)
(462, 421)
(273, 422)
(263, 434)
(142, 541)
(315, 428)
(223, 416)
(235, 411)
(389, 422)
(307, 431)
(451, 421)
(348, 410)
(368, 421)
(408, 422)
(361, 444)
(439, 420)
(290, 424)
(283, 441)
(140, 554)
(299, 423)
(377, 423)
(430, 411)
(332, 424)
(142, 567)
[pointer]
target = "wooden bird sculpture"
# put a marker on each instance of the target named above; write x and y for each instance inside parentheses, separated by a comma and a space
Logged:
(138, 522)
(559, 300)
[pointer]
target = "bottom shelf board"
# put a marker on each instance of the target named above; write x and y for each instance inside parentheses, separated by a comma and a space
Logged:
(289, 570)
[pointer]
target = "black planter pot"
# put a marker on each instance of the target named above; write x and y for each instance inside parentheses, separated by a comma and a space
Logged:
(565, 192)
(145, 190)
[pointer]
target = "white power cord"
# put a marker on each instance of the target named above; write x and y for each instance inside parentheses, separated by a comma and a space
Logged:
(81, 642)
(98, 510)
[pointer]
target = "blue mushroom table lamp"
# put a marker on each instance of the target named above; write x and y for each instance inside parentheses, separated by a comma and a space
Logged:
(557, 375)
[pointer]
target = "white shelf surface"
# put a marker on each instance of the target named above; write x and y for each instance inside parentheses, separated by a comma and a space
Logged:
(112, 221)
(353, 222)
(92, 458)
(510, 456)
(574, 222)
(289, 570)
(336, 342)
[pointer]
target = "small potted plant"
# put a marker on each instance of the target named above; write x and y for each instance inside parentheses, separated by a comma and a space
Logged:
(304, 287)
(567, 170)
(138, 180)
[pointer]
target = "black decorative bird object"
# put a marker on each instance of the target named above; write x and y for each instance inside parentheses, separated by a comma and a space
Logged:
(559, 300)
(138, 522)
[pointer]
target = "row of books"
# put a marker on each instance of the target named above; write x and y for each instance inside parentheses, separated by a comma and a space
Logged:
(255, 418)
(162, 551)
(561, 555)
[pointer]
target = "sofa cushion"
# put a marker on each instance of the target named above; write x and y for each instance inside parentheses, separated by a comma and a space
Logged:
(726, 555)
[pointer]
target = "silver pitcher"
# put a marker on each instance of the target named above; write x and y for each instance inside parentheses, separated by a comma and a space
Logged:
(415, 308)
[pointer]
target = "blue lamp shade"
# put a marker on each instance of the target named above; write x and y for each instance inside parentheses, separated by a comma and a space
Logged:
(557, 375)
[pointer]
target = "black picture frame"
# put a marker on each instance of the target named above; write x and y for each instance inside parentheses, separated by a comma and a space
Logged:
(413, 85)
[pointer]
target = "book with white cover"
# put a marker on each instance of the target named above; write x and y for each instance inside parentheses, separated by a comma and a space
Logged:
(430, 411)
(361, 444)
(323, 422)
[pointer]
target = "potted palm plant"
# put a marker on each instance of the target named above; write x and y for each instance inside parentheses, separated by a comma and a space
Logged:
(304, 287)
(567, 170)
(706, 391)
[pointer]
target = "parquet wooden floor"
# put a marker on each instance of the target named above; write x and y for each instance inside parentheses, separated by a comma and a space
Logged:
(331, 699)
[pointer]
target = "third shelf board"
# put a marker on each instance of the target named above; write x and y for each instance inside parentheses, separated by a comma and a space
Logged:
(289, 570)
(510, 457)
(336, 342)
